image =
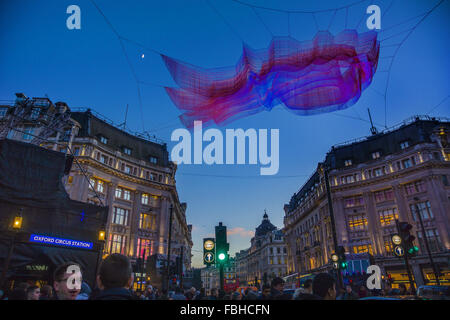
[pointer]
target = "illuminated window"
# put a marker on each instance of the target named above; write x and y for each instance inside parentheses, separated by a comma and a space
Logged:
(388, 245)
(103, 159)
(147, 221)
(153, 160)
(357, 222)
(100, 186)
(117, 243)
(35, 113)
(363, 249)
(143, 245)
(119, 192)
(120, 216)
(407, 163)
(103, 140)
(126, 194)
(348, 162)
(70, 180)
(388, 216)
(404, 144)
(127, 169)
(127, 151)
(144, 198)
(3, 112)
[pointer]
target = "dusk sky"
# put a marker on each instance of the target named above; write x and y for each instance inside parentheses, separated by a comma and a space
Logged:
(40, 56)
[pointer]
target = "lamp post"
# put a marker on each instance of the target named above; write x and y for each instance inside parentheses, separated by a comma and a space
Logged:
(16, 226)
(168, 247)
(425, 238)
(324, 169)
(101, 242)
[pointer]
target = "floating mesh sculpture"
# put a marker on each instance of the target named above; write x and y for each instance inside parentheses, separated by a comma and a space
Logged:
(325, 74)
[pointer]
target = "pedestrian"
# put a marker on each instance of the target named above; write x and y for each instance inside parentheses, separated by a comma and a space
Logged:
(324, 286)
(306, 293)
(46, 292)
(402, 288)
(363, 292)
(85, 292)
(64, 290)
(115, 278)
(276, 288)
(149, 293)
(349, 294)
(265, 293)
(201, 295)
(236, 296)
(178, 294)
(213, 295)
(33, 293)
(163, 295)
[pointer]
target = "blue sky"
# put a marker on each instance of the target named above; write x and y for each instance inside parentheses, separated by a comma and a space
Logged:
(87, 68)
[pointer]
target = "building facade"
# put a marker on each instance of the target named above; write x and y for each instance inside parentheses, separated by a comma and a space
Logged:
(396, 174)
(130, 174)
(266, 258)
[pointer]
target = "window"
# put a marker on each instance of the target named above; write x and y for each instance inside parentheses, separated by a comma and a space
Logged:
(127, 169)
(434, 240)
(415, 187)
(376, 155)
(3, 112)
(407, 163)
(363, 249)
(35, 113)
(353, 201)
(378, 172)
(100, 186)
(28, 133)
(119, 192)
(348, 162)
(104, 159)
(76, 151)
(404, 144)
(153, 160)
(144, 199)
(120, 216)
(143, 245)
(70, 179)
(127, 151)
(91, 183)
(445, 180)
(147, 221)
(388, 216)
(384, 195)
(126, 194)
(424, 208)
(388, 245)
(103, 140)
(357, 222)
(117, 243)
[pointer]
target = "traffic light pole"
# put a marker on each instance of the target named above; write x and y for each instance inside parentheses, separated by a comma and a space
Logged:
(221, 276)
(405, 256)
(340, 281)
(181, 268)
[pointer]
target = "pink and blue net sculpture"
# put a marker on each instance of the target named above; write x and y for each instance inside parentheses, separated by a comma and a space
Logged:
(325, 74)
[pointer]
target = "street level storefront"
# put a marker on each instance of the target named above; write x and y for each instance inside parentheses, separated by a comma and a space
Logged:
(40, 226)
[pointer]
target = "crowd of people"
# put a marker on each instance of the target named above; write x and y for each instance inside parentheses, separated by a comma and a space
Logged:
(115, 279)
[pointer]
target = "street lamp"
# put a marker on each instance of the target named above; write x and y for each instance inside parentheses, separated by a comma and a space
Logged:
(16, 225)
(101, 243)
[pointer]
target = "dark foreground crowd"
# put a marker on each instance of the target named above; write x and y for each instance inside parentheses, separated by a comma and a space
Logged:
(115, 280)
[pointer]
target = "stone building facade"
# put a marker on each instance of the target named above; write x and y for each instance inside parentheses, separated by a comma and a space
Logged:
(130, 174)
(390, 175)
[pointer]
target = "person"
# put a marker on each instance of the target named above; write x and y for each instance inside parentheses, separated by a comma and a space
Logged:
(201, 295)
(149, 293)
(46, 292)
(85, 292)
(324, 286)
(213, 295)
(236, 296)
(276, 288)
(163, 295)
(115, 278)
(349, 293)
(63, 289)
(402, 288)
(178, 294)
(18, 294)
(363, 292)
(33, 293)
(265, 292)
(306, 293)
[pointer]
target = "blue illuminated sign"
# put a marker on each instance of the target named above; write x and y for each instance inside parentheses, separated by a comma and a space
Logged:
(60, 242)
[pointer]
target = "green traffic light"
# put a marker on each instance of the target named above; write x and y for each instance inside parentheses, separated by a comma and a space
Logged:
(344, 265)
(221, 256)
(416, 249)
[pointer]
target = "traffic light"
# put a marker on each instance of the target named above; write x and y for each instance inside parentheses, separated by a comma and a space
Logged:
(407, 238)
(343, 264)
(222, 246)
